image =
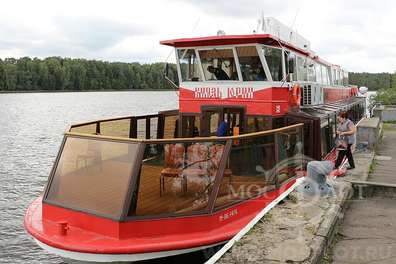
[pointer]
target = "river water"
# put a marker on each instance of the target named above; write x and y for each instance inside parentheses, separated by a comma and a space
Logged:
(31, 128)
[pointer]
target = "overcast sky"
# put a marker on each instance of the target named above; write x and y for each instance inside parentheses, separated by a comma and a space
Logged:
(359, 35)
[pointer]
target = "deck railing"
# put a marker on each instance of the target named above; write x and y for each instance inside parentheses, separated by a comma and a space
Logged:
(145, 126)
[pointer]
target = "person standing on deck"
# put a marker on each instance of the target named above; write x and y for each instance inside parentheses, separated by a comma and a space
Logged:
(347, 129)
(223, 128)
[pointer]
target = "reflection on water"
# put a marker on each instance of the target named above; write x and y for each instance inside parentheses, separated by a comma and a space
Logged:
(31, 127)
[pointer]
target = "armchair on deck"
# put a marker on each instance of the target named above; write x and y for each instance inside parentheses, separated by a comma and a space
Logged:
(174, 161)
(197, 161)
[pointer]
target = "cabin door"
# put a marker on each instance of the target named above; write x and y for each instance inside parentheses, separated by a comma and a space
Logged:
(213, 116)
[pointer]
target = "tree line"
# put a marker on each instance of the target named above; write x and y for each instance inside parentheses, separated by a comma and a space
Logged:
(66, 74)
(56, 73)
(373, 81)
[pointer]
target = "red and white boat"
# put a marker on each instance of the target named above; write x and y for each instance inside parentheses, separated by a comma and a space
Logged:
(144, 187)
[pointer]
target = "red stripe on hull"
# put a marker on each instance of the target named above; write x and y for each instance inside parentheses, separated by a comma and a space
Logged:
(91, 234)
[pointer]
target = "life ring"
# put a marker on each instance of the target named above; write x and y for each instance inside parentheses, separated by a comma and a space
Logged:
(295, 95)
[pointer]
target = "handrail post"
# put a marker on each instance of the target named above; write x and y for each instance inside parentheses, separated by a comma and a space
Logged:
(133, 128)
(219, 175)
(97, 128)
(148, 128)
(276, 142)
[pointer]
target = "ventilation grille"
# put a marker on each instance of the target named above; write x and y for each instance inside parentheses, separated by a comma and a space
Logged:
(307, 95)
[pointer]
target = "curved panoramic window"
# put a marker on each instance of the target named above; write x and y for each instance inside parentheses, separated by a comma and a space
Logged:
(188, 65)
(273, 56)
(250, 63)
(93, 176)
(218, 64)
(176, 178)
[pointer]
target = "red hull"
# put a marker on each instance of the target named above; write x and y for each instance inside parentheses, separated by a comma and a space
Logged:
(90, 234)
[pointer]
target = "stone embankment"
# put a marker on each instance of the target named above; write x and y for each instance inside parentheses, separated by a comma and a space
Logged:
(303, 228)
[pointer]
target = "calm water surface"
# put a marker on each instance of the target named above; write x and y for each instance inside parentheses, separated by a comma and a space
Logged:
(31, 127)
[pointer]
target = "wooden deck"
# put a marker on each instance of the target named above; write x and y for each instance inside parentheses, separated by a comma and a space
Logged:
(102, 188)
(174, 200)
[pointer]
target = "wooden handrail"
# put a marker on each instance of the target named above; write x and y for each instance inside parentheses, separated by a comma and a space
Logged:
(113, 119)
(194, 139)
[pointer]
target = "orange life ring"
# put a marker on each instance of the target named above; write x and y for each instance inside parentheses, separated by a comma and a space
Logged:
(295, 95)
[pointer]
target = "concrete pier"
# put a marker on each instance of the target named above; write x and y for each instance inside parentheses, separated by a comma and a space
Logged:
(304, 229)
(368, 233)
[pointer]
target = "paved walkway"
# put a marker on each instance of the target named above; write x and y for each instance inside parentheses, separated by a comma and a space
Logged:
(368, 233)
(385, 163)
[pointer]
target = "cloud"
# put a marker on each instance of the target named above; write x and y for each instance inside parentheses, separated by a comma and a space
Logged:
(358, 35)
(95, 33)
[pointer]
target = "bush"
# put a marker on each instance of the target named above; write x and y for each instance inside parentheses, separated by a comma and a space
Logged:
(386, 96)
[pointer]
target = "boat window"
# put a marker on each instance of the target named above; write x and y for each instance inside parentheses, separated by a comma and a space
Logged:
(290, 159)
(334, 76)
(290, 61)
(218, 64)
(339, 82)
(176, 178)
(93, 176)
(257, 165)
(190, 125)
(318, 70)
(346, 81)
(273, 56)
(188, 65)
(329, 74)
(325, 77)
(311, 71)
(302, 69)
(251, 165)
(251, 67)
(258, 123)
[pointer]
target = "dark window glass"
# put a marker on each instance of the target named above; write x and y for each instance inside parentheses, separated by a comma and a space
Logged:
(258, 123)
(218, 64)
(251, 67)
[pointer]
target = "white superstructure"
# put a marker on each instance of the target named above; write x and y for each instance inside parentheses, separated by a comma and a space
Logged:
(270, 25)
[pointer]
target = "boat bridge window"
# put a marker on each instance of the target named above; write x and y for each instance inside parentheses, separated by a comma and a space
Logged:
(218, 64)
(290, 61)
(250, 63)
(188, 65)
(273, 56)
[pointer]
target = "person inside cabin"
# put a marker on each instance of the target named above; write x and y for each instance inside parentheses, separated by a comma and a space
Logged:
(223, 128)
(257, 73)
(346, 129)
(220, 74)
